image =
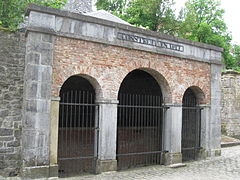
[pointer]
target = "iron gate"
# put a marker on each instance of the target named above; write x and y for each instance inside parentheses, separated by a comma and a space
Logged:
(78, 124)
(139, 132)
(191, 127)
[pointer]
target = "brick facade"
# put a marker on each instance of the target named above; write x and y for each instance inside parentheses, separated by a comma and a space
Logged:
(109, 65)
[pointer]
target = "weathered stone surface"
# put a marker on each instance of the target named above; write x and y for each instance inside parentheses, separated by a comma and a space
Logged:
(37, 93)
(230, 104)
(12, 60)
(5, 132)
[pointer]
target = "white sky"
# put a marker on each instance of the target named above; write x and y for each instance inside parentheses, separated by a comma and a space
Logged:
(231, 17)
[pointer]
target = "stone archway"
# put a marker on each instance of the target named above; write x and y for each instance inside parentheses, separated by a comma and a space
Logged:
(77, 127)
(191, 123)
(140, 121)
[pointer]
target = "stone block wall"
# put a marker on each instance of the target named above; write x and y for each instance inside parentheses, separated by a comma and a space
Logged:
(230, 110)
(12, 60)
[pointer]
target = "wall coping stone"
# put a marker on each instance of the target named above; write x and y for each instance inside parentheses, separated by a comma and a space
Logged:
(62, 13)
(230, 72)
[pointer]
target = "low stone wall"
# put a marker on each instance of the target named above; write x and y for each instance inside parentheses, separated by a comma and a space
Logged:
(12, 60)
(230, 110)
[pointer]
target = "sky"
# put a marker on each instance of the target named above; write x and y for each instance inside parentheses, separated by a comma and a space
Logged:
(231, 17)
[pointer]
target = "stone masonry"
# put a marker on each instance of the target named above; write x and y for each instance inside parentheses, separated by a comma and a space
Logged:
(62, 44)
(37, 89)
(230, 110)
(12, 60)
(59, 44)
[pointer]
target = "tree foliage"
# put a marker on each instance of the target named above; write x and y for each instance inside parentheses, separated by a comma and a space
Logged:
(12, 11)
(116, 7)
(236, 57)
(202, 21)
(156, 15)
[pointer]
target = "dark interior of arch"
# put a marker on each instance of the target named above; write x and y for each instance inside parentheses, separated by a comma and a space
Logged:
(76, 133)
(191, 125)
(189, 98)
(141, 83)
(75, 94)
(140, 117)
(77, 83)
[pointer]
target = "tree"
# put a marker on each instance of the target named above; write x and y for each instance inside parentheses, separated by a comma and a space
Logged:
(12, 11)
(200, 17)
(236, 56)
(156, 15)
(116, 7)
(202, 21)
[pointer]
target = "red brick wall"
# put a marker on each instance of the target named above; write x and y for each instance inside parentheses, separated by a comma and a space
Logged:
(109, 65)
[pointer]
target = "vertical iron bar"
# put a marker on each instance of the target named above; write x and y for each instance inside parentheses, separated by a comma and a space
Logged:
(70, 136)
(134, 119)
(129, 113)
(61, 153)
(141, 109)
(86, 122)
(139, 126)
(155, 142)
(66, 131)
(79, 123)
(151, 130)
(91, 123)
(161, 134)
(70, 124)
(145, 125)
(82, 129)
(74, 123)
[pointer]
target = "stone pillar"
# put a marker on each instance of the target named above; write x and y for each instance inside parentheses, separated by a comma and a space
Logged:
(215, 123)
(107, 135)
(204, 139)
(37, 97)
(53, 171)
(172, 134)
(36, 106)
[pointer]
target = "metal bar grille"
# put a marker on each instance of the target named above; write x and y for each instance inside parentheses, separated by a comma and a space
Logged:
(77, 131)
(139, 133)
(191, 126)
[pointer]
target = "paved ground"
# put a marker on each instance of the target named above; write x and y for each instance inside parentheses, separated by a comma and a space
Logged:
(226, 167)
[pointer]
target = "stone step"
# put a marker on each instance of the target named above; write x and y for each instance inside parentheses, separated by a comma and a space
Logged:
(178, 165)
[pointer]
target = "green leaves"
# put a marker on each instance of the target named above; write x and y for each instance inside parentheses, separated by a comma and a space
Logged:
(12, 11)
(117, 7)
(202, 21)
(156, 15)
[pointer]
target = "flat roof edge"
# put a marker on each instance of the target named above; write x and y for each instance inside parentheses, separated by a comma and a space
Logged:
(63, 13)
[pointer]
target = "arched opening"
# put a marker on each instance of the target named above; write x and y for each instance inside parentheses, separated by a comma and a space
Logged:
(191, 126)
(77, 124)
(140, 118)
